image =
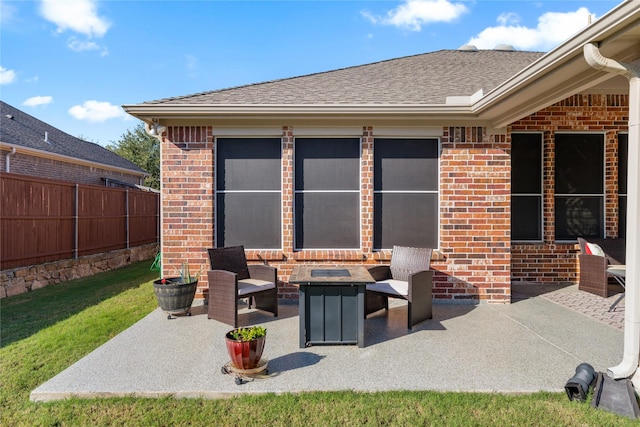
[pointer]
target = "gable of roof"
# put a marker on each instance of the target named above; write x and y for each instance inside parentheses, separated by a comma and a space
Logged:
(20, 129)
(424, 79)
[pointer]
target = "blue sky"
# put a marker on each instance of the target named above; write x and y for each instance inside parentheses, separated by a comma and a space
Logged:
(73, 63)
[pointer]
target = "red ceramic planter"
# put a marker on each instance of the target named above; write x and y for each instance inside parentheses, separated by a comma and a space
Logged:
(245, 354)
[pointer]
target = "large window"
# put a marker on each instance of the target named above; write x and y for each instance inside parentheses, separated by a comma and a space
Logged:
(327, 193)
(248, 192)
(405, 193)
(579, 186)
(623, 163)
(526, 187)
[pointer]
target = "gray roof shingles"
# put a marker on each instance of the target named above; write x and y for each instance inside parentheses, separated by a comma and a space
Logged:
(21, 129)
(419, 79)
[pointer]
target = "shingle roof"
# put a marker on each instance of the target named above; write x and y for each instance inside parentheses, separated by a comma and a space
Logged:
(420, 79)
(21, 129)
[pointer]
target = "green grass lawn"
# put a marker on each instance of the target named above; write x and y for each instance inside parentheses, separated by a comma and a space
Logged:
(45, 331)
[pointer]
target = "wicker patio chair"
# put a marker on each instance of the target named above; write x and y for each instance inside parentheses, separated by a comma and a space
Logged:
(596, 269)
(231, 279)
(409, 278)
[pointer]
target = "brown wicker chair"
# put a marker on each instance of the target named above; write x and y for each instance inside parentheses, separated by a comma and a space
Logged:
(409, 278)
(594, 274)
(231, 279)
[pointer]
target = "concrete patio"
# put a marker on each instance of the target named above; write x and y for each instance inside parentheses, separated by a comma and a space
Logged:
(531, 345)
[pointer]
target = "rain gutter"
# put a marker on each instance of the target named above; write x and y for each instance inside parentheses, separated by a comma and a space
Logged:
(631, 353)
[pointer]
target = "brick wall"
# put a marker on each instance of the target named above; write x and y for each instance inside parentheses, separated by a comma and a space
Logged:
(475, 188)
(25, 164)
(476, 259)
(187, 199)
(550, 261)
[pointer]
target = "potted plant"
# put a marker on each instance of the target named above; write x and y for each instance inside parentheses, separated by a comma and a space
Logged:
(175, 294)
(245, 346)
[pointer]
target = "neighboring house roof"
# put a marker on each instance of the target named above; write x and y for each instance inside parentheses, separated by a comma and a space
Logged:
(19, 129)
(427, 78)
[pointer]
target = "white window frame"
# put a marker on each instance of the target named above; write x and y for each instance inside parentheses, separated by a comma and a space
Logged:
(327, 134)
(540, 195)
(262, 133)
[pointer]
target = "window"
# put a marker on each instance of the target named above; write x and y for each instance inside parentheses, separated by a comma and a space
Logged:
(405, 193)
(623, 163)
(248, 192)
(327, 193)
(526, 187)
(579, 186)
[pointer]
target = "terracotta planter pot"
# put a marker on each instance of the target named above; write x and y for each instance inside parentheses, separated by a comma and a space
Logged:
(245, 354)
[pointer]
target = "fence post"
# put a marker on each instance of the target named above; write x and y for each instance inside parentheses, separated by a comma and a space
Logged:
(126, 213)
(76, 223)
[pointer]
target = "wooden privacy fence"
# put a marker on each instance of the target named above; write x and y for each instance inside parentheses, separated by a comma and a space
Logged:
(44, 220)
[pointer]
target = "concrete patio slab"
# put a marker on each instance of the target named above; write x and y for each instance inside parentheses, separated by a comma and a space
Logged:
(531, 345)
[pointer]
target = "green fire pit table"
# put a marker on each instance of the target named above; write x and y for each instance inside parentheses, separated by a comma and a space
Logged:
(331, 304)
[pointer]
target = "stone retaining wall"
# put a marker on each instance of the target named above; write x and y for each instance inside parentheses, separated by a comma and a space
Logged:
(26, 279)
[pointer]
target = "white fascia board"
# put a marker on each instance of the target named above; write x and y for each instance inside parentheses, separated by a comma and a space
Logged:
(161, 111)
(464, 100)
(67, 159)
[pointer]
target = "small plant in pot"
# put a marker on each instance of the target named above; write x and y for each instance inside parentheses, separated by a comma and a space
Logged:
(245, 346)
(175, 294)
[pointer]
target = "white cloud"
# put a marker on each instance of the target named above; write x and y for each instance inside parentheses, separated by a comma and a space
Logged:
(413, 14)
(553, 28)
(7, 13)
(191, 64)
(79, 16)
(508, 18)
(191, 60)
(7, 76)
(83, 46)
(80, 46)
(36, 101)
(96, 111)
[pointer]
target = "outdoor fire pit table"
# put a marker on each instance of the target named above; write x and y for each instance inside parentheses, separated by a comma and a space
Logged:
(331, 304)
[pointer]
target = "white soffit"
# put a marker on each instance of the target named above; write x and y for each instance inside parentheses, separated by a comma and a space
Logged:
(328, 131)
(247, 131)
(401, 131)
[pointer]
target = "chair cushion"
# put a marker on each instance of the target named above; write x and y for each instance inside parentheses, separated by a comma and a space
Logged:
(248, 286)
(594, 249)
(391, 286)
(583, 245)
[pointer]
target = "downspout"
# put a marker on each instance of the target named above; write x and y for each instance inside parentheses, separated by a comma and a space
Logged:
(156, 130)
(7, 160)
(629, 364)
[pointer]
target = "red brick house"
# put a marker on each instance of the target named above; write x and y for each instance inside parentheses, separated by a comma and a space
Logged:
(497, 159)
(29, 146)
